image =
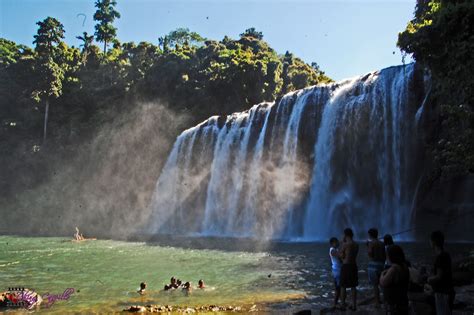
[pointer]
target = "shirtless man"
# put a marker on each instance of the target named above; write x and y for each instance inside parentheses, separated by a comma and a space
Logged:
(376, 253)
(349, 276)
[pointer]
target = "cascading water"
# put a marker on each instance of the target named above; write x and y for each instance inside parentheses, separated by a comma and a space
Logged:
(306, 166)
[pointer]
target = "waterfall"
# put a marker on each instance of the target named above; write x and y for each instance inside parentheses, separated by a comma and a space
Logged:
(302, 167)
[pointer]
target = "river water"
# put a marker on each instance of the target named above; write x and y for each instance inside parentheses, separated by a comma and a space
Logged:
(105, 274)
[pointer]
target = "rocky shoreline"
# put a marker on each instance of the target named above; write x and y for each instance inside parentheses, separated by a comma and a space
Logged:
(463, 278)
(187, 310)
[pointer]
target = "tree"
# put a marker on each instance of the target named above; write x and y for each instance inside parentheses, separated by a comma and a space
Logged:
(105, 15)
(252, 32)
(50, 34)
(315, 66)
(139, 59)
(86, 42)
(163, 43)
(440, 37)
(50, 74)
(181, 36)
(10, 52)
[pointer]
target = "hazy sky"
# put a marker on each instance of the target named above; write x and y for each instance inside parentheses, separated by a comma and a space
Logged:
(346, 38)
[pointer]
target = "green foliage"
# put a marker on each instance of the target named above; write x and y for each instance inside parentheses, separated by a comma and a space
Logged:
(441, 37)
(86, 45)
(297, 74)
(105, 16)
(252, 32)
(210, 78)
(50, 35)
(453, 153)
(225, 76)
(182, 36)
(50, 85)
(10, 52)
(88, 87)
(50, 50)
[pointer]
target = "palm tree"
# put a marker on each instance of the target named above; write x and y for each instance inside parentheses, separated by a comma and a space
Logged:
(105, 16)
(86, 42)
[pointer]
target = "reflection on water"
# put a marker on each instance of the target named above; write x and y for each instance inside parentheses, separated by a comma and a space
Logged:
(106, 274)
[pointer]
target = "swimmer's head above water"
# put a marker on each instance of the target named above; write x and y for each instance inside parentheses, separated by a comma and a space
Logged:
(201, 284)
(142, 288)
(187, 286)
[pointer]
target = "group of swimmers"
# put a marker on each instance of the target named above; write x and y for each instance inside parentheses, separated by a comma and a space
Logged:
(389, 270)
(174, 285)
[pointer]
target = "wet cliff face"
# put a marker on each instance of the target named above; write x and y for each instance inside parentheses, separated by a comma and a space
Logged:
(448, 206)
(305, 166)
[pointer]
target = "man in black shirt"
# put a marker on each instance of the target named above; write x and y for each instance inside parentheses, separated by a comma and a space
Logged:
(442, 279)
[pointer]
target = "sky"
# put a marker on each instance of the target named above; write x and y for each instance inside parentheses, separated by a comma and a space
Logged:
(346, 38)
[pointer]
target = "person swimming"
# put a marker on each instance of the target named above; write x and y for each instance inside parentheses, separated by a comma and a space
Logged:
(201, 284)
(187, 287)
(173, 284)
(142, 288)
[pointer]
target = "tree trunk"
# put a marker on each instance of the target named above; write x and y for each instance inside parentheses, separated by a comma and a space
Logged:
(105, 47)
(46, 112)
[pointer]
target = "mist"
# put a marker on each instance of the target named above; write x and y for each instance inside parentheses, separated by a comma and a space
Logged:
(106, 188)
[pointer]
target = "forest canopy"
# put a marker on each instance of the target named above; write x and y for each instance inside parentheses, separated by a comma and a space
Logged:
(185, 70)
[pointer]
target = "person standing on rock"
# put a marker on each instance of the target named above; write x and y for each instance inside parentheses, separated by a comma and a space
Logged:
(336, 264)
(349, 276)
(376, 253)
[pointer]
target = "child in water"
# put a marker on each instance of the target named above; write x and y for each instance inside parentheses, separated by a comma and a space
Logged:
(201, 284)
(187, 288)
(336, 263)
(142, 288)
